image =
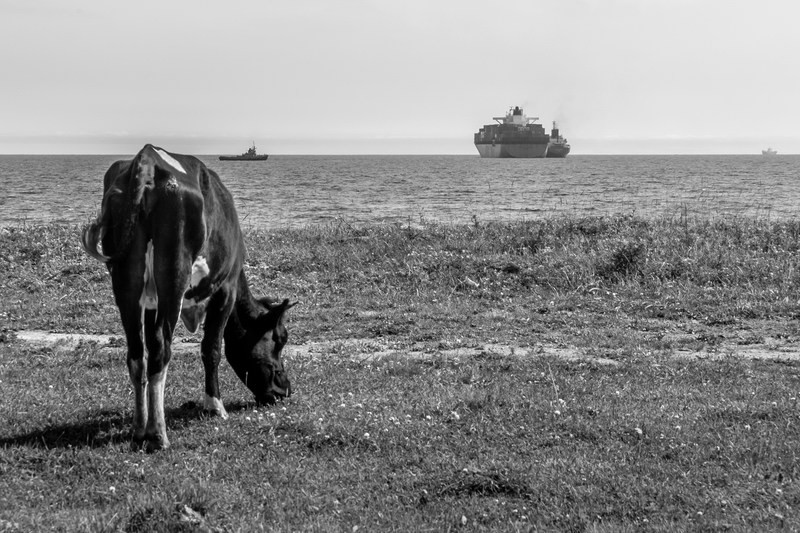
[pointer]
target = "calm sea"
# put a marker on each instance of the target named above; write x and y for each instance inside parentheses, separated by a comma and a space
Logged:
(301, 190)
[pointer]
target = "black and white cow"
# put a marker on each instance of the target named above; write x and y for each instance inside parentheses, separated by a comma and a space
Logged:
(170, 237)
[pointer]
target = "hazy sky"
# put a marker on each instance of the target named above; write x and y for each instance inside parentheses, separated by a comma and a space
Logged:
(401, 76)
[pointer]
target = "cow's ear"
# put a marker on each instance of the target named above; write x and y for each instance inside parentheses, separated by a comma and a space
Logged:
(271, 304)
(286, 306)
(267, 321)
(281, 308)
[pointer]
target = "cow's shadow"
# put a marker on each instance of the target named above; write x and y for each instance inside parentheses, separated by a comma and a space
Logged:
(104, 428)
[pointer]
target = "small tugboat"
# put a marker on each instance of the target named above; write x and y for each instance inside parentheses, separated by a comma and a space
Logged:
(514, 135)
(769, 151)
(249, 155)
(559, 147)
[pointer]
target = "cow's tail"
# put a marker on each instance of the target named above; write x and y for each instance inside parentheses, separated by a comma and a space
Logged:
(142, 172)
(91, 237)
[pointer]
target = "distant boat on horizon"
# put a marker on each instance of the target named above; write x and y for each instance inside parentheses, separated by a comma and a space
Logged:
(249, 155)
(769, 151)
(559, 147)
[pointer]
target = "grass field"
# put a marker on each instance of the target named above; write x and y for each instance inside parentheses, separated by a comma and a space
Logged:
(567, 374)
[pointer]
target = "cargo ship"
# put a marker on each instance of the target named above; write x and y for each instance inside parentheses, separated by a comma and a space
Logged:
(559, 147)
(514, 135)
(769, 151)
(249, 155)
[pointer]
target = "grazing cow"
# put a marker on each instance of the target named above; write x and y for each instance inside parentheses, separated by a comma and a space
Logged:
(171, 240)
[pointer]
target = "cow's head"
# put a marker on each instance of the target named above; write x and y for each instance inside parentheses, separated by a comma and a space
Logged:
(261, 365)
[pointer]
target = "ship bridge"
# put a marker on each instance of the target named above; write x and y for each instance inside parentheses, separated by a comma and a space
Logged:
(515, 116)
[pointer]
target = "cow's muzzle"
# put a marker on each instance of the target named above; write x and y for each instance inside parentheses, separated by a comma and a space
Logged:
(280, 389)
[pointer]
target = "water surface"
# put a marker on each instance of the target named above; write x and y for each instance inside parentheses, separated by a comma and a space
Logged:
(300, 190)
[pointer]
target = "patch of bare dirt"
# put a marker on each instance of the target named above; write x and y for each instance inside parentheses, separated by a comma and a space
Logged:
(354, 349)
(372, 349)
(70, 341)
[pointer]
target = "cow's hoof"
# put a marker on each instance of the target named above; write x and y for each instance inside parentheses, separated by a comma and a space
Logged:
(216, 412)
(156, 443)
(214, 407)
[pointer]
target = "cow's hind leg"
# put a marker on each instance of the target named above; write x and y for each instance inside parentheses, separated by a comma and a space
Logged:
(128, 285)
(137, 370)
(171, 275)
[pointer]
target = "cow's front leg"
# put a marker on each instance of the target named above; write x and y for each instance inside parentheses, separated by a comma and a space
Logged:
(219, 308)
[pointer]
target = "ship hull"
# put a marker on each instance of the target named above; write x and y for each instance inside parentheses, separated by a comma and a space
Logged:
(242, 158)
(557, 150)
(520, 151)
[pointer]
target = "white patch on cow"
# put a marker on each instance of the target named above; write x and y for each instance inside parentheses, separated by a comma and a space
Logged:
(156, 386)
(193, 311)
(149, 297)
(171, 161)
(214, 405)
(156, 426)
(199, 271)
